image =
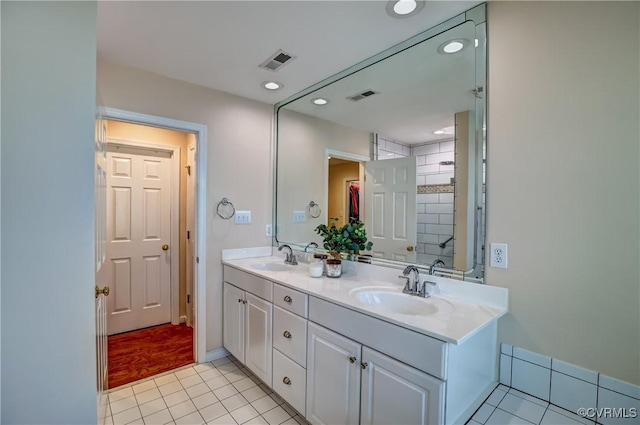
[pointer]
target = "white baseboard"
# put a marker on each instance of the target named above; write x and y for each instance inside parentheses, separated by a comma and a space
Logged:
(215, 354)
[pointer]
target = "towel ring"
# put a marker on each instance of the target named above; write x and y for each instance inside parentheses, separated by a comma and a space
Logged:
(225, 205)
(314, 209)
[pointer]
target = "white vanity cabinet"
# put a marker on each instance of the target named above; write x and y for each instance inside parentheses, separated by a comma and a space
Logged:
(258, 349)
(350, 384)
(394, 393)
(290, 345)
(338, 365)
(248, 321)
(233, 320)
(333, 378)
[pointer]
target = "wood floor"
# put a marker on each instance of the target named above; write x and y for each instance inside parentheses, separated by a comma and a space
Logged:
(140, 354)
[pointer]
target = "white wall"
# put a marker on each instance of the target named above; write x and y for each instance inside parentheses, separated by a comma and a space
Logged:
(48, 105)
(563, 178)
(238, 164)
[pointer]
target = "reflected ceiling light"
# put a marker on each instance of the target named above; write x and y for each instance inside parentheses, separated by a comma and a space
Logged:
(452, 46)
(404, 8)
(319, 101)
(272, 85)
(476, 42)
(438, 132)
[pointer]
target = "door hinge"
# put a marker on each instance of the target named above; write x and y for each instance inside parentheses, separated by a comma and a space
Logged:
(188, 299)
(188, 167)
(198, 260)
(188, 235)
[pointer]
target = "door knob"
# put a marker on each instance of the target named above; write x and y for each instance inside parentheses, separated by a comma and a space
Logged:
(286, 334)
(165, 247)
(364, 365)
(352, 359)
(104, 291)
(287, 299)
(410, 248)
(286, 381)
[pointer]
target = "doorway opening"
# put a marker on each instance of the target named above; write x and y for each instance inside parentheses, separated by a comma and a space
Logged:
(344, 191)
(151, 246)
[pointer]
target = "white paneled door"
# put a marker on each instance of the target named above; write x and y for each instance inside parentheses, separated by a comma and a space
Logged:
(138, 235)
(390, 194)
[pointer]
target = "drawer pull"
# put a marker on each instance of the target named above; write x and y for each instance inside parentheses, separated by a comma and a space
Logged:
(286, 380)
(352, 359)
(286, 334)
(364, 365)
(287, 299)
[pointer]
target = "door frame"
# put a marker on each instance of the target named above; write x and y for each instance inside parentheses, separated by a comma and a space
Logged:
(200, 131)
(332, 153)
(174, 238)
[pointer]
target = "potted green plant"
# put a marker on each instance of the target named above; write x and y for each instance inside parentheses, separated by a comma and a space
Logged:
(351, 237)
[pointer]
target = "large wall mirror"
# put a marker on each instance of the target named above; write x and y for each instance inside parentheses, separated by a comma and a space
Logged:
(397, 142)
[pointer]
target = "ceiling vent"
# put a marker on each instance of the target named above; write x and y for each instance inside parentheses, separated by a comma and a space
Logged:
(277, 60)
(362, 95)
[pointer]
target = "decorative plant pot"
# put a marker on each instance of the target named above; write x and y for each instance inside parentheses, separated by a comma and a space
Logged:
(334, 267)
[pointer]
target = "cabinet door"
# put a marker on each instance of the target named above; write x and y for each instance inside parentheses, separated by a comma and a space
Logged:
(233, 321)
(259, 342)
(333, 378)
(394, 393)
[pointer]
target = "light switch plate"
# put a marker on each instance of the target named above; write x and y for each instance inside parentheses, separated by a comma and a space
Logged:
(299, 216)
(243, 217)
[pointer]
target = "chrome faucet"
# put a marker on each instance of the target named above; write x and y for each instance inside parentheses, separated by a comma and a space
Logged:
(411, 284)
(436, 263)
(290, 258)
(422, 290)
(310, 244)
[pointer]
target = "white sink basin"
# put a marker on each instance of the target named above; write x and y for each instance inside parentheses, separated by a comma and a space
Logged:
(397, 302)
(274, 267)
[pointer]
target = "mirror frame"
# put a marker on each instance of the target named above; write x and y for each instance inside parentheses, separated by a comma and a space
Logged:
(477, 15)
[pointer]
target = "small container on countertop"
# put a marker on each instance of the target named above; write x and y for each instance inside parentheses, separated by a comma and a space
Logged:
(316, 268)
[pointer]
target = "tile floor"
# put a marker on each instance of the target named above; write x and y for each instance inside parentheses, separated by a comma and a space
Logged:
(224, 392)
(506, 406)
(220, 392)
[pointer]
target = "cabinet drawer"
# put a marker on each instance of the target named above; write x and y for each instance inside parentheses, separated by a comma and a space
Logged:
(291, 300)
(290, 335)
(289, 381)
(253, 284)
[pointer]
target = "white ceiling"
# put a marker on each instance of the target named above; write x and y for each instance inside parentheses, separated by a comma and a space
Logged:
(419, 91)
(219, 44)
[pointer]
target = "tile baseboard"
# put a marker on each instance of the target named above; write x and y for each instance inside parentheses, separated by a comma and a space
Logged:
(576, 389)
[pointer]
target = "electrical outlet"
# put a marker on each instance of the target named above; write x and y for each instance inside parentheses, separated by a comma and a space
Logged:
(499, 255)
(299, 216)
(267, 231)
(243, 217)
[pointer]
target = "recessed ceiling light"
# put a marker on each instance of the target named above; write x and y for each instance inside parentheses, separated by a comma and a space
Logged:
(319, 101)
(453, 46)
(272, 85)
(438, 132)
(404, 8)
